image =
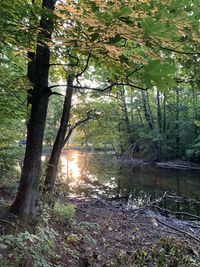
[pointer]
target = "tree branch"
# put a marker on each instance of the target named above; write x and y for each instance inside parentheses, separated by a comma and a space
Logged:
(55, 93)
(177, 229)
(78, 123)
(85, 68)
(177, 51)
(134, 71)
(109, 87)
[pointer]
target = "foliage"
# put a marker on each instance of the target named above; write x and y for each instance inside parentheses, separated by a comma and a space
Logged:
(168, 252)
(29, 249)
(143, 55)
(125, 117)
(10, 166)
(194, 152)
(64, 212)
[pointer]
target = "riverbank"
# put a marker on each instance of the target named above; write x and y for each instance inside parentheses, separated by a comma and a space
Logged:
(172, 164)
(139, 237)
(99, 234)
(177, 164)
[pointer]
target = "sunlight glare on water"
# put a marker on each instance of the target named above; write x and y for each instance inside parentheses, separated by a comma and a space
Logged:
(43, 158)
(69, 167)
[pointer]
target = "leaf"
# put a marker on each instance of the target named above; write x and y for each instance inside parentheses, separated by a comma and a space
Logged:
(113, 50)
(159, 74)
(123, 12)
(94, 36)
(114, 40)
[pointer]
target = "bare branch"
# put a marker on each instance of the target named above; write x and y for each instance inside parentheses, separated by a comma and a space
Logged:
(85, 68)
(58, 64)
(78, 123)
(76, 58)
(109, 87)
(174, 50)
(134, 71)
(55, 93)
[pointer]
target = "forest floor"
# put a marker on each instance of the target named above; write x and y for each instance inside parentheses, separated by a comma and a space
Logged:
(101, 234)
(140, 237)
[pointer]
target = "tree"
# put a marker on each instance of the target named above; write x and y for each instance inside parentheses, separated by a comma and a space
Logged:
(136, 41)
(64, 130)
(25, 202)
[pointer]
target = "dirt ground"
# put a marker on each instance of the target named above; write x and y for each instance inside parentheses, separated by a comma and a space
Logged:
(107, 236)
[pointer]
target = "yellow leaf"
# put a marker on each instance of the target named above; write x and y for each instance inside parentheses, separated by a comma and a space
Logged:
(196, 39)
(113, 50)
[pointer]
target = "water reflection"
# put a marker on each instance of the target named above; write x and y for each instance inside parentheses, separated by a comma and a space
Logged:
(95, 174)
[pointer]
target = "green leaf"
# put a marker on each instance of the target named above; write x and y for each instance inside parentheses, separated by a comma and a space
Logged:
(159, 74)
(123, 12)
(95, 36)
(114, 40)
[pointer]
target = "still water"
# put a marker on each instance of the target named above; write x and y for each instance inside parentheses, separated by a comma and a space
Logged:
(98, 174)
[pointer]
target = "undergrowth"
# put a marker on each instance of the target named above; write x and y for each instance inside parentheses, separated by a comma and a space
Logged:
(168, 252)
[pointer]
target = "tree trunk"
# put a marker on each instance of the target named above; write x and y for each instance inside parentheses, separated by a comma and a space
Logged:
(164, 113)
(60, 138)
(147, 112)
(25, 202)
(126, 117)
(177, 125)
(159, 121)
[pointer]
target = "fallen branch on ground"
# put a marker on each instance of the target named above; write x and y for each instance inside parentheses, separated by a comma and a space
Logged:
(178, 230)
(175, 212)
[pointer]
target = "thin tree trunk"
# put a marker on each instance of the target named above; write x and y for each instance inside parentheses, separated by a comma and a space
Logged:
(126, 117)
(149, 108)
(25, 202)
(195, 115)
(147, 112)
(60, 138)
(177, 125)
(164, 114)
(159, 120)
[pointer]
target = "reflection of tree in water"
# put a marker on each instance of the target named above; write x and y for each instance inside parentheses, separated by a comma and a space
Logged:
(99, 175)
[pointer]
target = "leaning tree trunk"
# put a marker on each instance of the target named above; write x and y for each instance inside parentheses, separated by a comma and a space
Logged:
(60, 138)
(25, 202)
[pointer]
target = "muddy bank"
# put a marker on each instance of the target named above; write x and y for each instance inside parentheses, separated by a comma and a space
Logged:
(139, 237)
(102, 234)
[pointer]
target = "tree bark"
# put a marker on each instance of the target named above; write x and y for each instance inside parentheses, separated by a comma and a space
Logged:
(177, 125)
(159, 121)
(164, 113)
(126, 117)
(25, 202)
(147, 112)
(60, 138)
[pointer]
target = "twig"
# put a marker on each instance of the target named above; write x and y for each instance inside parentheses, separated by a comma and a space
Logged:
(85, 68)
(175, 212)
(109, 87)
(178, 230)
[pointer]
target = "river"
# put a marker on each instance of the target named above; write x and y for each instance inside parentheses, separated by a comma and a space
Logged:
(97, 174)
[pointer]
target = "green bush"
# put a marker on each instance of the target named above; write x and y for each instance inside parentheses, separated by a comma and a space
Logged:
(64, 212)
